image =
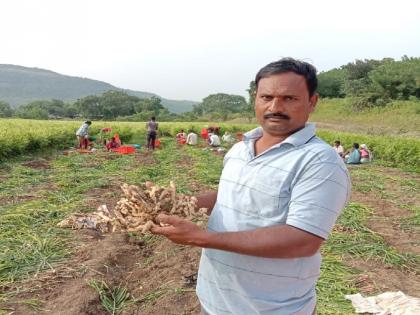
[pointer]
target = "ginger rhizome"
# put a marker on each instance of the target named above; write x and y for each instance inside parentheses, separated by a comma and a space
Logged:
(137, 210)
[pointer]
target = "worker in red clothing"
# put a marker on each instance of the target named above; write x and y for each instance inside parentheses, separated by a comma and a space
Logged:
(112, 144)
(204, 133)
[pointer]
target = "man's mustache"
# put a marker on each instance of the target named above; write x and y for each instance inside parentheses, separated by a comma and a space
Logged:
(276, 115)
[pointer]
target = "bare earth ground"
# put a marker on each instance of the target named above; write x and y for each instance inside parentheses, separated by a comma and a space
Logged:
(159, 274)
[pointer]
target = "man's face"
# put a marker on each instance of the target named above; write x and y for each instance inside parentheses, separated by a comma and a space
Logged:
(283, 104)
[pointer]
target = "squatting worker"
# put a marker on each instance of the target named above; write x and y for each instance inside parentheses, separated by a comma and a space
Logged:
(280, 193)
(152, 127)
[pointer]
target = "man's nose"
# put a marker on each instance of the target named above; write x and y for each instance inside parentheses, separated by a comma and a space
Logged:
(276, 105)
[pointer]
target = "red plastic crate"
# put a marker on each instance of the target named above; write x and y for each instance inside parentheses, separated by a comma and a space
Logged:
(125, 150)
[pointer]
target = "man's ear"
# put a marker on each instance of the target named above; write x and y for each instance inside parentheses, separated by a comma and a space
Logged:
(313, 101)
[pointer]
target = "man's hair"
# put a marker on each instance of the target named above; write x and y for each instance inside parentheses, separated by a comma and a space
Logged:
(337, 141)
(88, 122)
(153, 118)
(283, 65)
(356, 145)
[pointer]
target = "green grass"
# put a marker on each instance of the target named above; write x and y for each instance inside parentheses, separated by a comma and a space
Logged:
(150, 298)
(113, 298)
(412, 223)
(208, 166)
(372, 179)
(336, 280)
(28, 244)
(397, 118)
(364, 243)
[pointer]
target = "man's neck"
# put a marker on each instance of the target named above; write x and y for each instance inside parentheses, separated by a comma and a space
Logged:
(266, 142)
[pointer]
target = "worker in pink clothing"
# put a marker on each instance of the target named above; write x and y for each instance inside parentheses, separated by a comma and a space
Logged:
(365, 155)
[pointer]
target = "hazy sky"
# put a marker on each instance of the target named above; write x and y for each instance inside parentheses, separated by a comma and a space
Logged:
(184, 49)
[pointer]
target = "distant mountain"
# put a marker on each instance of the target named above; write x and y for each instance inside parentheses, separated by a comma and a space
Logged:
(21, 85)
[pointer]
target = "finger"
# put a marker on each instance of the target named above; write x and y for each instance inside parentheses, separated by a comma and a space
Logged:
(162, 230)
(156, 230)
(169, 219)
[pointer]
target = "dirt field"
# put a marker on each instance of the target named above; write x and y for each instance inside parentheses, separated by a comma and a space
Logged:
(160, 276)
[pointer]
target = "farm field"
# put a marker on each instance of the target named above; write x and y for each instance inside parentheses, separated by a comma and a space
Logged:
(374, 248)
(398, 118)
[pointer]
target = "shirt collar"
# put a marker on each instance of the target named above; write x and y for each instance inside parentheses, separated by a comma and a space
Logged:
(296, 139)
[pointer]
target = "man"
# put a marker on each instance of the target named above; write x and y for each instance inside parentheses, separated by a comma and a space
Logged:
(152, 127)
(338, 148)
(192, 138)
(353, 156)
(280, 192)
(82, 135)
(214, 140)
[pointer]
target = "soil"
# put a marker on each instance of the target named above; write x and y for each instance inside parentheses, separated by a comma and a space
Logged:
(37, 164)
(35, 193)
(6, 200)
(160, 275)
(377, 278)
(145, 269)
(108, 195)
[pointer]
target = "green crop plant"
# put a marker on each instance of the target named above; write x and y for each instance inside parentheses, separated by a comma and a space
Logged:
(113, 299)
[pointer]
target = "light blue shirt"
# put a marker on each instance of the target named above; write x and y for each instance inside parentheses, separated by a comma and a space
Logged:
(83, 130)
(300, 182)
(354, 157)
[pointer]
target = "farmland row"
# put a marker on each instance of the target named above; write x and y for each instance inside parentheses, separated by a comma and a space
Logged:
(25, 136)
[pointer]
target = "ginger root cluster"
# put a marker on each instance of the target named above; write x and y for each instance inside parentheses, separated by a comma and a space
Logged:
(137, 210)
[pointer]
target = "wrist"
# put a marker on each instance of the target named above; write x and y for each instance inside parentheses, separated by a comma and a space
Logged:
(204, 239)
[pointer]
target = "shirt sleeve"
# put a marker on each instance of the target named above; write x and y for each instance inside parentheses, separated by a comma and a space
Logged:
(318, 197)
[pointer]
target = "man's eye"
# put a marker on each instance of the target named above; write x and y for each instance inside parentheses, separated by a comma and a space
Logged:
(266, 97)
(288, 98)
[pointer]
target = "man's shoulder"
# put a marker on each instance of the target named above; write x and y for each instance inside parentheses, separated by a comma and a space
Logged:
(237, 149)
(321, 151)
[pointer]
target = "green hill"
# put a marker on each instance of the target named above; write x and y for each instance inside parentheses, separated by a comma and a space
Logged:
(21, 85)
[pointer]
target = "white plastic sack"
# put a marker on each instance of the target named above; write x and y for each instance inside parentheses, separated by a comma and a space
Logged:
(388, 303)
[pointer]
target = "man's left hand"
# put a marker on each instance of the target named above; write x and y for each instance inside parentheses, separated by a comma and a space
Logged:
(180, 231)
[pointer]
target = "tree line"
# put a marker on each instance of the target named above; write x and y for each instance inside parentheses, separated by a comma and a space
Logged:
(118, 105)
(373, 82)
(367, 82)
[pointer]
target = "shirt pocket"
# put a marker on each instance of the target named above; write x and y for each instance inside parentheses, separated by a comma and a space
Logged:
(269, 194)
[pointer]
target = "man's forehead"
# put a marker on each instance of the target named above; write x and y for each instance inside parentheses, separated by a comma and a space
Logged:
(288, 81)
